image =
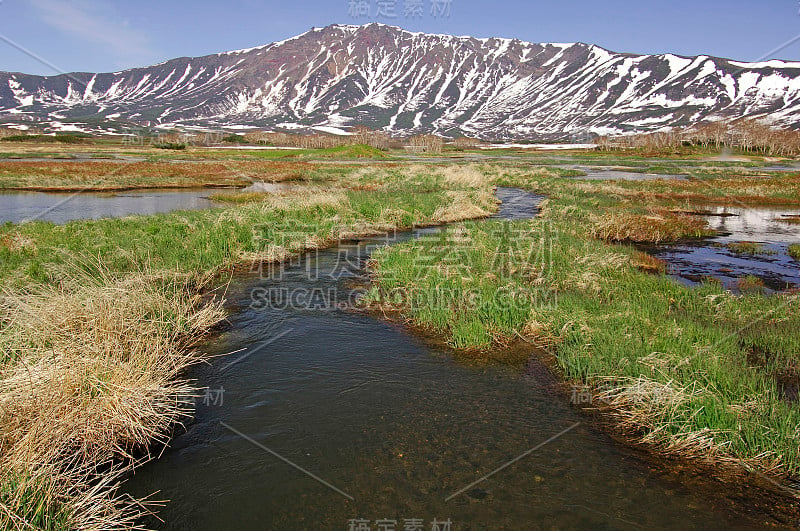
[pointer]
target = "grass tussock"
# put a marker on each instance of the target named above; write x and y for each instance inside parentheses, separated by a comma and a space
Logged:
(794, 251)
(649, 263)
(53, 499)
(465, 205)
(749, 248)
(651, 228)
(240, 197)
(91, 375)
(750, 284)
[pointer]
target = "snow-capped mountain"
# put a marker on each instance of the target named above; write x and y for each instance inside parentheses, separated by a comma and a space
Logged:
(403, 82)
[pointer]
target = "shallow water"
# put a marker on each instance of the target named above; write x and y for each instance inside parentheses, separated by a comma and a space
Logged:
(271, 188)
(596, 173)
(782, 167)
(63, 207)
(691, 262)
(391, 427)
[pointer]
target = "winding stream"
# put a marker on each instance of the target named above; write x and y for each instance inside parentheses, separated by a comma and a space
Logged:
(392, 427)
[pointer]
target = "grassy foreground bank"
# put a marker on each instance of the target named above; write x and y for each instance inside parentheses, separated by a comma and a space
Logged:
(694, 372)
(99, 321)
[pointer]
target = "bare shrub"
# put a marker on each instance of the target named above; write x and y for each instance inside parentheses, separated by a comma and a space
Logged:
(747, 134)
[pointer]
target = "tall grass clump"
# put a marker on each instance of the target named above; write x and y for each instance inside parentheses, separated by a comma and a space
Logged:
(651, 228)
(92, 376)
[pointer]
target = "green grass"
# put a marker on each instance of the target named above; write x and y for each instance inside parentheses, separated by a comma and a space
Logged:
(31, 500)
(58, 138)
(358, 151)
(198, 240)
(697, 370)
(749, 248)
(462, 289)
(794, 251)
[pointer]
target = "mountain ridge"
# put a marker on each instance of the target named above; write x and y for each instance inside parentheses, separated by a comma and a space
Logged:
(406, 83)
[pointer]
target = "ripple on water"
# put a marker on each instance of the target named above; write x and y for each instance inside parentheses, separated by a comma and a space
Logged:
(400, 426)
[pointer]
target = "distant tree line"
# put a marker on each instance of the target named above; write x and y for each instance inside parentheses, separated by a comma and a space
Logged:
(179, 139)
(359, 135)
(749, 135)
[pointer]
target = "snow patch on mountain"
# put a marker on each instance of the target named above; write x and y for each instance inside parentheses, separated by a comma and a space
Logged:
(407, 83)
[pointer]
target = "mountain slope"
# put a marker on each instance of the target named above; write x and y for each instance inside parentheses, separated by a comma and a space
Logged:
(405, 82)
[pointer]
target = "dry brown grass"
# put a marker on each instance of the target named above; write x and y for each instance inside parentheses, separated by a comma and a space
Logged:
(751, 190)
(656, 227)
(16, 241)
(92, 374)
(749, 284)
(648, 263)
(72, 176)
(642, 404)
(469, 176)
(465, 205)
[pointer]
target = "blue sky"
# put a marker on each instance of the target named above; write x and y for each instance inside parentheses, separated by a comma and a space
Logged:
(108, 35)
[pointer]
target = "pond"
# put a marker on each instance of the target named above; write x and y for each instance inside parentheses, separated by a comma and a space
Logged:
(60, 208)
(599, 173)
(725, 258)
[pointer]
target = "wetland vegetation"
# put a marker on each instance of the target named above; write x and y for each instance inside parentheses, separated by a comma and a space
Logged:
(100, 319)
(695, 371)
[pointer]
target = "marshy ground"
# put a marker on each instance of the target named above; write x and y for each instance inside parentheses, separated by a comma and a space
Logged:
(101, 319)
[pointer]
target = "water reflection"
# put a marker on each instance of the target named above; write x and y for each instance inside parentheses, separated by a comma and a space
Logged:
(60, 208)
(693, 262)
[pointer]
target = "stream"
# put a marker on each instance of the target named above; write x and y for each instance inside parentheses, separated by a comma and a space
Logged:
(324, 418)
